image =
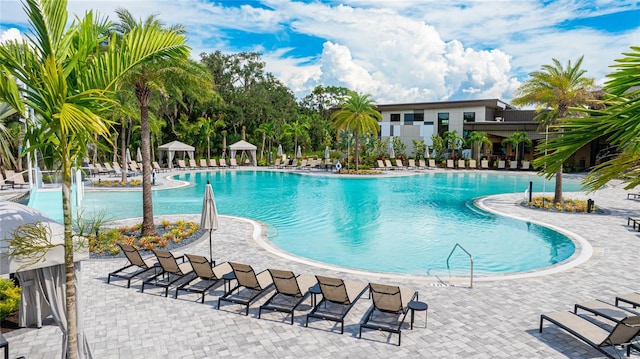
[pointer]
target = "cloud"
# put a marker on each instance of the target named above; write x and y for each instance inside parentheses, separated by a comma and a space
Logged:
(10, 34)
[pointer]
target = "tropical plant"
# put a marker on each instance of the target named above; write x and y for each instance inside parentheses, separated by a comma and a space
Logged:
(268, 132)
(452, 141)
(618, 122)
(477, 139)
(6, 157)
(515, 139)
(68, 72)
(9, 298)
(555, 90)
(297, 130)
(419, 148)
(358, 115)
(438, 145)
(398, 147)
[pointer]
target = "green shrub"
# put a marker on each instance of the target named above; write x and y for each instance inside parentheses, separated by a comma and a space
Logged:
(9, 297)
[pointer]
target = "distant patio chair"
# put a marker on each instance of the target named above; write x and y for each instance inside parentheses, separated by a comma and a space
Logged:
(203, 163)
(412, 164)
(450, 164)
(473, 164)
(212, 163)
(193, 164)
(388, 165)
(136, 262)
(462, 164)
(422, 164)
(222, 163)
(513, 165)
(233, 163)
(501, 164)
(484, 164)
(15, 178)
(182, 165)
(432, 163)
(526, 165)
(399, 164)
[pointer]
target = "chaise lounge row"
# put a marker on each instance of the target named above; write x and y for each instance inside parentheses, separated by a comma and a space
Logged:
(243, 286)
(623, 330)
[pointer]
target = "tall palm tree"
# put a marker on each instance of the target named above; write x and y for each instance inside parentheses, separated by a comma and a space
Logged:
(477, 139)
(297, 129)
(452, 141)
(618, 122)
(268, 130)
(516, 139)
(554, 90)
(144, 80)
(358, 115)
(68, 73)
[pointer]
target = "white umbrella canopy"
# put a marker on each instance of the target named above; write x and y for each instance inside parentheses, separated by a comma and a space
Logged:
(392, 153)
(138, 155)
(128, 158)
(426, 152)
(279, 150)
(209, 218)
(326, 152)
(299, 153)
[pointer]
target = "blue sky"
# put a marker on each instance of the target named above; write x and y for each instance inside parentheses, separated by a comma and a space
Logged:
(398, 51)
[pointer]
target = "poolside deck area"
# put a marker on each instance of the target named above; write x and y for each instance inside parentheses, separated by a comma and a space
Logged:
(497, 318)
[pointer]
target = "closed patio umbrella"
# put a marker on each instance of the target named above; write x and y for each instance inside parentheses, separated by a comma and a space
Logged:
(138, 155)
(426, 152)
(279, 150)
(209, 218)
(392, 153)
(299, 153)
(326, 152)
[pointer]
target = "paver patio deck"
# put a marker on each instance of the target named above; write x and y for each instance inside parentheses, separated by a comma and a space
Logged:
(495, 319)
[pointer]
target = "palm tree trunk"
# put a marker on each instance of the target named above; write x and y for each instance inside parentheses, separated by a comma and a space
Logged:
(557, 195)
(70, 290)
(357, 149)
(123, 149)
(143, 95)
(264, 142)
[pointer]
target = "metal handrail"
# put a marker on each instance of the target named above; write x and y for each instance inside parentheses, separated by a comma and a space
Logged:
(470, 260)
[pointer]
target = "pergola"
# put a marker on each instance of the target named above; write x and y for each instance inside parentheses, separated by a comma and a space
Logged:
(175, 146)
(244, 146)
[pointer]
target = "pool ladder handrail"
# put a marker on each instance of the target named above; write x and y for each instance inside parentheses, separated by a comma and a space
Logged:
(457, 245)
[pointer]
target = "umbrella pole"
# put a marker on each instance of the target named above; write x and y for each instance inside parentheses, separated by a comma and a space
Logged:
(210, 248)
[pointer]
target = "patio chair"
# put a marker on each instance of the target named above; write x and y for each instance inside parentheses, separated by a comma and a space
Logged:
(158, 168)
(4, 184)
(338, 297)
(222, 163)
(182, 165)
(171, 273)
(603, 309)
(473, 164)
(15, 178)
(450, 164)
(203, 163)
(432, 163)
(526, 165)
(206, 276)
(484, 164)
(193, 164)
(389, 310)
(502, 164)
(399, 164)
(597, 337)
(462, 164)
(136, 262)
(381, 165)
(513, 165)
(249, 286)
(412, 164)
(388, 165)
(422, 164)
(233, 163)
(276, 164)
(135, 170)
(107, 169)
(291, 291)
(630, 298)
(212, 163)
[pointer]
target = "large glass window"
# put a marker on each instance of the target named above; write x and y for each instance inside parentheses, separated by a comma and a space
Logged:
(443, 122)
(395, 117)
(418, 116)
(469, 117)
(408, 119)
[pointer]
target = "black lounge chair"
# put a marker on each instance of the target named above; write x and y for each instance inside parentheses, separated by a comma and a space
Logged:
(171, 272)
(621, 335)
(338, 297)
(291, 291)
(249, 286)
(630, 298)
(206, 276)
(136, 262)
(389, 309)
(605, 310)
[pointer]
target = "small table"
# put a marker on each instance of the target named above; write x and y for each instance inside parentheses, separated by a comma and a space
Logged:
(227, 280)
(314, 290)
(415, 305)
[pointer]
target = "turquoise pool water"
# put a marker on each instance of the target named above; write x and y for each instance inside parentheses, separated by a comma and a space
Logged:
(392, 224)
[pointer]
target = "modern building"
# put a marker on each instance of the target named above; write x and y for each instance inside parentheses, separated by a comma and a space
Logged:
(419, 121)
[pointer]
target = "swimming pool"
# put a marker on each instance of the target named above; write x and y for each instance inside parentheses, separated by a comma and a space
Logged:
(403, 224)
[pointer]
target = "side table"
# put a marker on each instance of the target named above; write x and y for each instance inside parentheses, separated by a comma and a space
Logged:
(314, 290)
(414, 306)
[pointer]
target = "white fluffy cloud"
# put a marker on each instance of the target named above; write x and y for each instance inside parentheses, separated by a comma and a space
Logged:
(10, 34)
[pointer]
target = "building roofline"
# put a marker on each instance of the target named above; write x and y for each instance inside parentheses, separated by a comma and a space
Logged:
(491, 103)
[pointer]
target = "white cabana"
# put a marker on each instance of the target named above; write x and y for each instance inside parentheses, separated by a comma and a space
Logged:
(244, 147)
(173, 147)
(42, 283)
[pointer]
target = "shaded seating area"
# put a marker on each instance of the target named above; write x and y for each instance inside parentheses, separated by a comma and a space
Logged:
(136, 267)
(206, 276)
(622, 334)
(171, 272)
(249, 286)
(291, 291)
(389, 309)
(338, 297)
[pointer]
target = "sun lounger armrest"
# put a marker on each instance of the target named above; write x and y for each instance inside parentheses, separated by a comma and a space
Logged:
(180, 259)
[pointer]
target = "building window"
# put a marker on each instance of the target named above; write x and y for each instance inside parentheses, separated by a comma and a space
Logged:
(418, 116)
(469, 117)
(443, 123)
(408, 119)
(395, 117)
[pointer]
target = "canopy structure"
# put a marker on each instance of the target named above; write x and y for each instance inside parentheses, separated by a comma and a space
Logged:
(244, 147)
(174, 147)
(42, 282)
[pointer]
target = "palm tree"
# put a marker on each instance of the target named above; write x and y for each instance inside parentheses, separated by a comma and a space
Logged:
(145, 80)
(478, 139)
(516, 139)
(297, 129)
(6, 157)
(555, 90)
(452, 141)
(357, 114)
(68, 73)
(618, 122)
(267, 129)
